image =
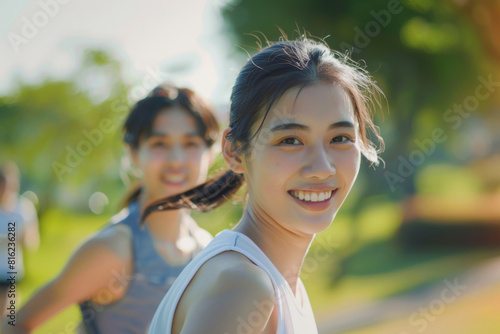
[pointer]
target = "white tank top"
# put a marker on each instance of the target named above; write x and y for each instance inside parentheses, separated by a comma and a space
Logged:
(293, 318)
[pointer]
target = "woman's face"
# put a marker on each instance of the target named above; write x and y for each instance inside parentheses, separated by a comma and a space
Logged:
(174, 157)
(305, 159)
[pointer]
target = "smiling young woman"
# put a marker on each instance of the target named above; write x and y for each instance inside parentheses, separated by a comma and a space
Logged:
(299, 119)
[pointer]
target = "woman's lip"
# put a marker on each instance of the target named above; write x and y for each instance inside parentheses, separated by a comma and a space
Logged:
(170, 183)
(173, 178)
(315, 206)
(315, 189)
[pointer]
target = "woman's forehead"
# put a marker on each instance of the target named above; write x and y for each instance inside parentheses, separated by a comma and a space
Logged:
(321, 103)
(174, 119)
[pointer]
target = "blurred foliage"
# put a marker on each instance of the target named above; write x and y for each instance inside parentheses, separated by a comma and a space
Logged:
(65, 135)
(425, 55)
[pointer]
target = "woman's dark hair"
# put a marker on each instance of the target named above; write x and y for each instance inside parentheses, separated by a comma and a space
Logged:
(262, 81)
(139, 122)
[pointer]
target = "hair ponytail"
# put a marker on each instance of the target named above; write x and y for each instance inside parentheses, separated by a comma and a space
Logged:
(204, 197)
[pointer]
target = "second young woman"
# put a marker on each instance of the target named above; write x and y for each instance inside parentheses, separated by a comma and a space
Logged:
(120, 275)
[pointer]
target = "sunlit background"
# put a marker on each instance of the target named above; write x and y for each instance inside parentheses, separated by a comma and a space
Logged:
(415, 249)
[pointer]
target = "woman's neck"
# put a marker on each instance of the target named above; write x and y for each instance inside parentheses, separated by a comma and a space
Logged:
(167, 225)
(285, 249)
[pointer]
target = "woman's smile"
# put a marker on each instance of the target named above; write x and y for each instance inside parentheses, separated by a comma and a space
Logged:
(174, 179)
(313, 200)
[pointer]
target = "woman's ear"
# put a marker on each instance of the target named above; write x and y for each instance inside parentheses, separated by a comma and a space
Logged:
(133, 154)
(132, 161)
(230, 154)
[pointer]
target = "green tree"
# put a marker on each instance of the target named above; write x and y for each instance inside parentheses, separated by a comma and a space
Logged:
(65, 134)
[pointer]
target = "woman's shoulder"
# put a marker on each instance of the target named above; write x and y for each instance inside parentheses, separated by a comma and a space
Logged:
(114, 238)
(117, 231)
(233, 271)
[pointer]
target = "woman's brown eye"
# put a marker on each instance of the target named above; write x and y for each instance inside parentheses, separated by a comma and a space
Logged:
(158, 144)
(289, 141)
(341, 139)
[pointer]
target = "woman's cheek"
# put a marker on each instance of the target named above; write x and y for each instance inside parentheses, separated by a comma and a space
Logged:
(152, 155)
(280, 159)
(352, 165)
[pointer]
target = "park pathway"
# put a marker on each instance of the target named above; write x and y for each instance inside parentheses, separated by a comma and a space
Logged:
(484, 276)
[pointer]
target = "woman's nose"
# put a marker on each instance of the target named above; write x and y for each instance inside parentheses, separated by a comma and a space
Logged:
(176, 154)
(319, 164)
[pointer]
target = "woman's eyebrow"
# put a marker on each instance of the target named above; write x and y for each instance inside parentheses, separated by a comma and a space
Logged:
(297, 126)
(165, 134)
(193, 134)
(341, 124)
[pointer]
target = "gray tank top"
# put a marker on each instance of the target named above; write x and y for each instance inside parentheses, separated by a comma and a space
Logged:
(150, 281)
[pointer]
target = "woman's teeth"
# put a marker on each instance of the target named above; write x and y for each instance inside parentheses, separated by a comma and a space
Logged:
(310, 196)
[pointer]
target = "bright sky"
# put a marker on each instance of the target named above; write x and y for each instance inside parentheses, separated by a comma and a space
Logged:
(43, 38)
